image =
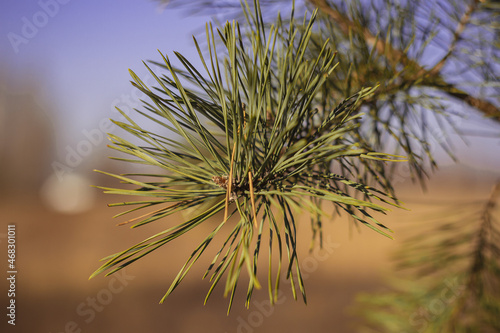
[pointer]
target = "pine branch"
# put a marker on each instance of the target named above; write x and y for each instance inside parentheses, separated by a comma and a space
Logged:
(264, 160)
(396, 56)
(477, 287)
(458, 256)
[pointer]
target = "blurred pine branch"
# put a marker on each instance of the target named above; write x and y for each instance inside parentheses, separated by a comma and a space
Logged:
(453, 275)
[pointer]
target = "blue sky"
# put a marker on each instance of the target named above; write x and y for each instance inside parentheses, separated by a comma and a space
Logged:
(80, 51)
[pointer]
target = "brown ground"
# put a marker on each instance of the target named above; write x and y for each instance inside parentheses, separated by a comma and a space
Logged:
(56, 253)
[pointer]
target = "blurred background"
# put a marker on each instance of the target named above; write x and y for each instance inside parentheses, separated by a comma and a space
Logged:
(63, 69)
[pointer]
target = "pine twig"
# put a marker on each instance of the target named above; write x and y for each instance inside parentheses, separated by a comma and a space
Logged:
(395, 56)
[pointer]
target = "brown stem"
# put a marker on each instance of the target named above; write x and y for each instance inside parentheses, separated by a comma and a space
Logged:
(464, 20)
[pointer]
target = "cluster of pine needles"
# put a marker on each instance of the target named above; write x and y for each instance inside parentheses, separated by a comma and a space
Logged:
(254, 141)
